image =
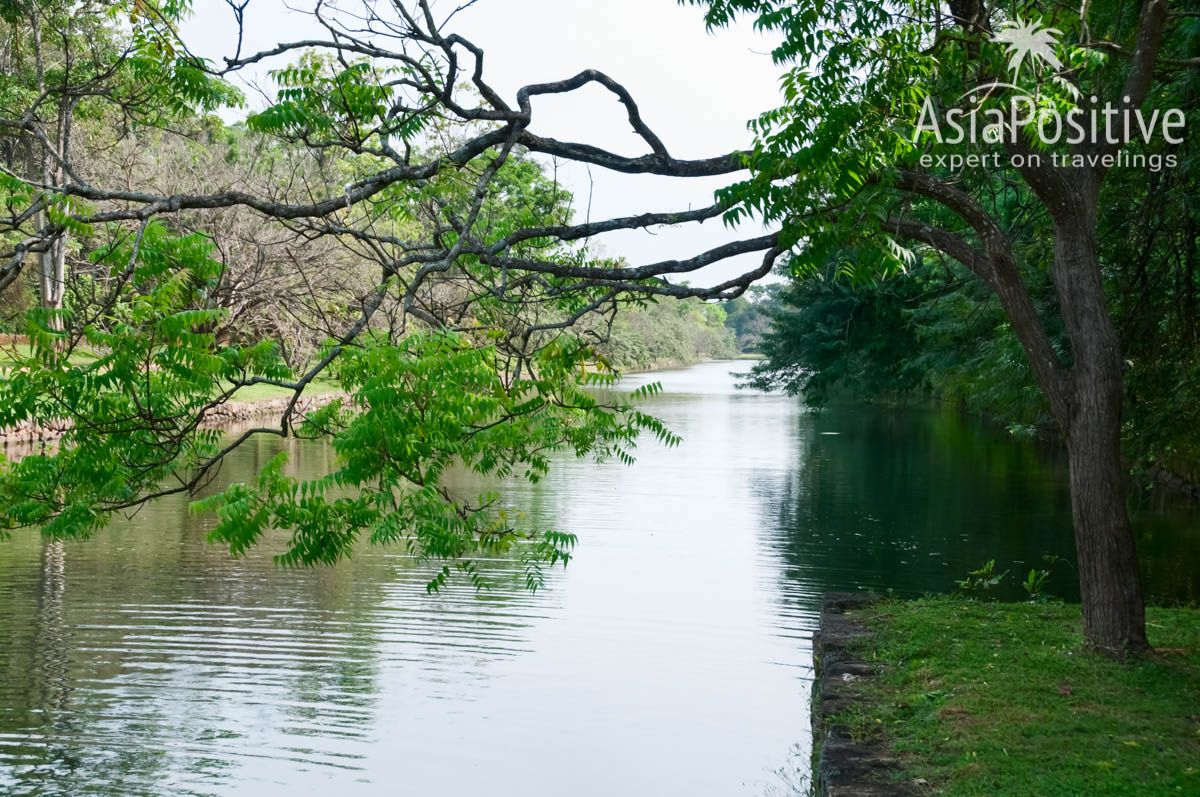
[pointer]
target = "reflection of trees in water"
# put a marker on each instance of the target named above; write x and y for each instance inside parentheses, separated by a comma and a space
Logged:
(910, 500)
(48, 704)
(52, 645)
(1168, 545)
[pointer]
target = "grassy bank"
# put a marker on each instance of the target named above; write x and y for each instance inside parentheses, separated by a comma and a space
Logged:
(256, 393)
(1001, 699)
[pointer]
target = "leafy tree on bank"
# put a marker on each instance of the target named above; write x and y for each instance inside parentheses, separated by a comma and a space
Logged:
(934, 331)
(65, 64)
(850, 169)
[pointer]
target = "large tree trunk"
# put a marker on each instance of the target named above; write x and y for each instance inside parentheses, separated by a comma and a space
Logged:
(1109, 580)
(1086, 398)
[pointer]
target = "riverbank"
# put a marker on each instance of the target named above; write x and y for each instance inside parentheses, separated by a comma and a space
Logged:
(960, 697)
(260, 403)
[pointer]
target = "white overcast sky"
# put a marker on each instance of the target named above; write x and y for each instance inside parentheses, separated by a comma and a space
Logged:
(695, 89)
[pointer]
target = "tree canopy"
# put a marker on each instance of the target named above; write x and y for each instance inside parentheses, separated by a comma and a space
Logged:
(988, 136)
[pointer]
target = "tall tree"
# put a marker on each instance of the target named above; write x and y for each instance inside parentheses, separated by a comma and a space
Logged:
(862, 156)
(69, 63)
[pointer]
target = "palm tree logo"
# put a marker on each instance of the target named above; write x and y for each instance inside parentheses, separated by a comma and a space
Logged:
(1029, 40)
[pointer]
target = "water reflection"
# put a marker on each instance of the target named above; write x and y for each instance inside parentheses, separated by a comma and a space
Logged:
(671, 658)
(911, 500)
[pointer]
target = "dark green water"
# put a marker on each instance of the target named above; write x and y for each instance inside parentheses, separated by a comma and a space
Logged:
(671, 658)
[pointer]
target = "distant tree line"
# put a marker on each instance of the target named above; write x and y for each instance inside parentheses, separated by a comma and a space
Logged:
(666, 334)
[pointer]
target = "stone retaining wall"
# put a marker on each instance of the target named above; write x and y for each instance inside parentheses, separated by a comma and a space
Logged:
(842, 765)
(228, 414)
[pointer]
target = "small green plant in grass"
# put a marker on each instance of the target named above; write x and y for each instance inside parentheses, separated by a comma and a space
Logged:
(1035, 584)
(983, 580)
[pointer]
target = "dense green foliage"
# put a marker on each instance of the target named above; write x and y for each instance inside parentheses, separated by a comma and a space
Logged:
(977, 699)
(154, 356)
(138, 325)
(872, 313)
(1151, 242)
(931, 333)
(416, 408)
(934, 332)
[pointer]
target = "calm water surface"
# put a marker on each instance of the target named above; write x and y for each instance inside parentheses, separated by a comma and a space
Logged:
(671, 658)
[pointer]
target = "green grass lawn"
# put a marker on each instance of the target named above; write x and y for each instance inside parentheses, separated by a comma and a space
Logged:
(317, 387)
(1001, 699)
(10, 351)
